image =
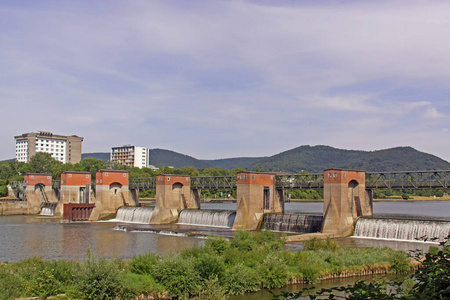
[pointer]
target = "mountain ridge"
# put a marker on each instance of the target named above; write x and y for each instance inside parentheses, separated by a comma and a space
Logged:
(313, 159)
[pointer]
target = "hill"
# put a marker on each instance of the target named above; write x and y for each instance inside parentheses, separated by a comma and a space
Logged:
(313, 159)
(233, 163)
(105, 156)
(164, 158)
(318, 158)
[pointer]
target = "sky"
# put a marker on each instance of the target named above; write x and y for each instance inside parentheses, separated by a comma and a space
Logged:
(217, 79)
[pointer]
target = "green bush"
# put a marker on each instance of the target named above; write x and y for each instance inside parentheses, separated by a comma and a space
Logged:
(11, 285)
(240, 279)
(273, 272)
(178, 275)
(45, 285)
(217, 244)
(137, 284)
(99, 278)
(143, 263)
(209, 266)
(243, 240)
(317, 244)
(399, 262)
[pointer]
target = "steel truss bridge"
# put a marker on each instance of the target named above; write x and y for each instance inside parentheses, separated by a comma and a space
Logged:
(374, 180)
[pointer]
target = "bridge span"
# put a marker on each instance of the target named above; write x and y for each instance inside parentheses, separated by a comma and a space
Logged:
(374, 180)
(347, 193)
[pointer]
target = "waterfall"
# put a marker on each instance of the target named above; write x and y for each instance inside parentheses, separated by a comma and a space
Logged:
(48, 209)
(403, 230)
(222, 218)
(293, 223)
(138, 214)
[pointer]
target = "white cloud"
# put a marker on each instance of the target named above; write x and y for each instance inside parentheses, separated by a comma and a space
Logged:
(256, 79)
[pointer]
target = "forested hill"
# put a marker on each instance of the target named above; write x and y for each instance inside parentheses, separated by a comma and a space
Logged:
(165, 158)
(318, 158)
(313, 159)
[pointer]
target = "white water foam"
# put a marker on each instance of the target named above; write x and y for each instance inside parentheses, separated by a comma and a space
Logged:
(224, 218)
(402, 230)
(137, 215)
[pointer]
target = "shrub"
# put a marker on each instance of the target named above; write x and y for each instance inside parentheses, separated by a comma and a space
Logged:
(209, 266)
(11, 285)
(62, 270)
(143, 263)
(217, 244)
(399, 262)
(273, 272)
(45, 285)
(317, 244)
(243, 241)
(239, 279)
(99, 278)
(178, 275)
(137, 284)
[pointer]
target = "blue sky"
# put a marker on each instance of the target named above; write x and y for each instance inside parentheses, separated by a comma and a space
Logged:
(218, 79)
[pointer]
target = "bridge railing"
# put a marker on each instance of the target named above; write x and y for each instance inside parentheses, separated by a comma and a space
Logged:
(143, 183)
(408, 180)
(300, 181)
(214, 182)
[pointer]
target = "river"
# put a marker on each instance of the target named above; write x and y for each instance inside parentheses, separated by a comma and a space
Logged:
(26, 236)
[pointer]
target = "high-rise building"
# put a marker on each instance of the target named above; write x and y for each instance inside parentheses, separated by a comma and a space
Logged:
(66, 149)
(130, 155)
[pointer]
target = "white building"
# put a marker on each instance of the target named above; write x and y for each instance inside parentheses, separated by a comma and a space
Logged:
(130, 155)
(66, 149)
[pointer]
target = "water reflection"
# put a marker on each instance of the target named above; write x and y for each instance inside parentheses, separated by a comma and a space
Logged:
(26, 236)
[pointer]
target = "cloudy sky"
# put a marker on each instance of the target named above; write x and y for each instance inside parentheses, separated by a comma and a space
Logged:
(217, 79)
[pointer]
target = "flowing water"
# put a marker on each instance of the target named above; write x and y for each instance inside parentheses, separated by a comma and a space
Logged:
(139, 215)
(214, 218)
(293, 223)
(48, 209)
(402, 230)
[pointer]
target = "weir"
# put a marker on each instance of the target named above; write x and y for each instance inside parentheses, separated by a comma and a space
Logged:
(293, 222)
(402, 229)
(140, 215)
(220, 218)
(48, 209)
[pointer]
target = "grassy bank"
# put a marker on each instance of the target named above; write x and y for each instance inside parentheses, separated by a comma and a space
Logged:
(248, 262)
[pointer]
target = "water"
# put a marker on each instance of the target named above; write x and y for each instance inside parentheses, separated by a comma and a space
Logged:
(48, 209)
(293, 223)
(214, 218)
(138, 215)
(25, 236)
(402, 230)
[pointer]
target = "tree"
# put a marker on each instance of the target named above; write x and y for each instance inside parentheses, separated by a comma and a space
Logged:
(43, 162)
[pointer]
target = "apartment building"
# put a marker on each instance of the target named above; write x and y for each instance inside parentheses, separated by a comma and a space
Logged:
(130, 155)
(66, 149)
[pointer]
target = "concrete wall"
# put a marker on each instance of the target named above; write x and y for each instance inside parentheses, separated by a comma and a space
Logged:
(75, 186)
(14, 208)
(111, 192)
(33, 194)
(173, 194)
(256, 195)
(345, 200)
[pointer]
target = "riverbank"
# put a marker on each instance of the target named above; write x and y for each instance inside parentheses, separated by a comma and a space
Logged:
(245, 263)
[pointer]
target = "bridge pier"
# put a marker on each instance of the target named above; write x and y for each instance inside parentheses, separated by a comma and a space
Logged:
(256, 195)
(111, 192)
(38, 190)
(345, 200)
(173, 194)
